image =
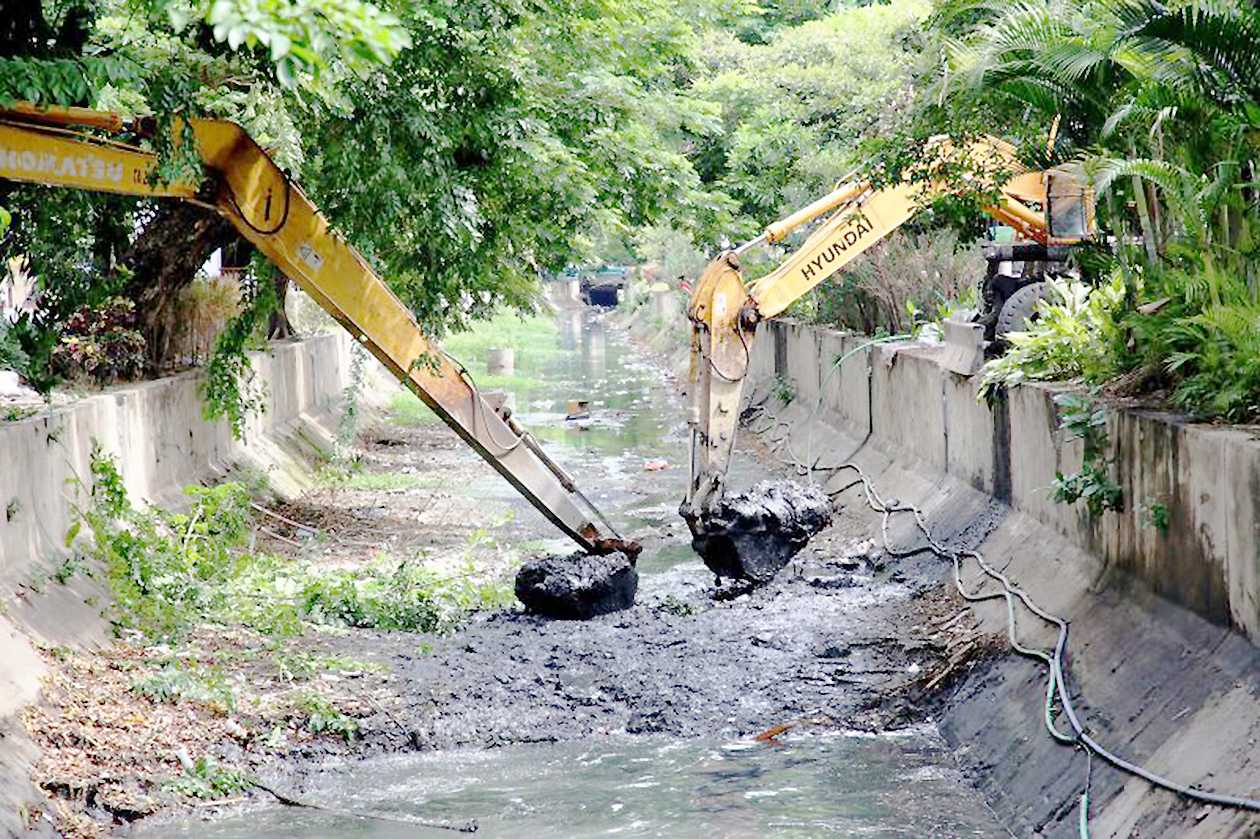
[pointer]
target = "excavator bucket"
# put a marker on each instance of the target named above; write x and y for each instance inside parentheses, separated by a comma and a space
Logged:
(964, 346)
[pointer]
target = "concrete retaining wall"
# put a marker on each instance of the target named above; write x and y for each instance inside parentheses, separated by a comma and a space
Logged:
(1170, 689)
(897, 398)
(161, 443)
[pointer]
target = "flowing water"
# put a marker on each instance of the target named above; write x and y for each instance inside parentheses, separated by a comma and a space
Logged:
(901, 783)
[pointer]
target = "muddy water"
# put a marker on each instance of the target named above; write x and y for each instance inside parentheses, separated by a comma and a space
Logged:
(665, 782)
(836, 785)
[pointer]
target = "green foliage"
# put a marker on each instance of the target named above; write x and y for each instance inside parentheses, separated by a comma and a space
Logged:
(229, 389)
(1092, 484)
(208, 780)
(794, 109)
(783, 390)
(1195, 329)
(1072, 337)
(1156, 516)
(165, 569)
(305, 37)
(1086, 420)
(12, 356)
(170, 571)
(322, 717)
(300, 666)
(406, 409)
(101, 342)
(174, 683)
(1158, 108)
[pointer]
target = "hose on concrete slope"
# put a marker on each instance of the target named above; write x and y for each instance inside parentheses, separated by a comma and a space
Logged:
(1056, 681)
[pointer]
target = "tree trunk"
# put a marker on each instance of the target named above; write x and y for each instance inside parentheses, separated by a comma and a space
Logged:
(278, 327)
(164, 259)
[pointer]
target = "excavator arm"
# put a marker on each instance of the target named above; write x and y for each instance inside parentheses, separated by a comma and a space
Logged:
(724, 311)
(243, 184)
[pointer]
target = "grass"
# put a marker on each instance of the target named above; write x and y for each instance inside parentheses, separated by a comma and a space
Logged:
(388, 481)
(533, 339)
(406, 409)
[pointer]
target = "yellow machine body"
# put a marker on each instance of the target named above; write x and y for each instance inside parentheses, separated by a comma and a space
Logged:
(724, 311)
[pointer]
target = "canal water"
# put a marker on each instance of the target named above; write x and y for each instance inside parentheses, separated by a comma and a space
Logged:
(900, 783)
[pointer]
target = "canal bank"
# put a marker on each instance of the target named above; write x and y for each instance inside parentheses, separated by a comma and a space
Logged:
(855, 693)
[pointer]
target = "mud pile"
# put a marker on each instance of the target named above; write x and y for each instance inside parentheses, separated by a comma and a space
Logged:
(578, 586)
(750, 536)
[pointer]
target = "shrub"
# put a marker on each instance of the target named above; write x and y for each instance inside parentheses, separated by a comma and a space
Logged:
(101, 343)
(204, 308)
(1074, 336)
(1196, 331)
(12, 356)
(906, 275)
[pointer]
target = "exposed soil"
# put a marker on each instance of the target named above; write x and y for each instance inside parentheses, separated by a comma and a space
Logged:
(840, 638)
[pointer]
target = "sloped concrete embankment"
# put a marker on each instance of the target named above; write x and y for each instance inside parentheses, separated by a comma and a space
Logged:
(161, 443)
(1163, 624)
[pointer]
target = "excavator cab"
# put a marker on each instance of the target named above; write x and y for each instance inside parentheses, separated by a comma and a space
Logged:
(1069, 207)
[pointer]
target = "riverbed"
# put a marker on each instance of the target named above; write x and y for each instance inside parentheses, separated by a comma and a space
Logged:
(646, 722)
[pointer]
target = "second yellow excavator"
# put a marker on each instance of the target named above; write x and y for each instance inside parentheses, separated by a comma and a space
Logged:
(1050, 211)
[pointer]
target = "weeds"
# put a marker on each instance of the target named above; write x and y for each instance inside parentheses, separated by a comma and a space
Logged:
(207, 780)
(322, 717)
(1086, 420)
(1156, 516)
(783, 390)
(300, 667)
(175, 683)
(16, 413)
(169, 571)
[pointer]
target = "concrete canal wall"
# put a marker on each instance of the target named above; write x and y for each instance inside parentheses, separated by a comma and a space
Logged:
(1164, 625)
(898, 399)
(161, 443)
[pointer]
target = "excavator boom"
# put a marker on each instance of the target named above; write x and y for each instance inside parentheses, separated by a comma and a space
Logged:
(47, 146)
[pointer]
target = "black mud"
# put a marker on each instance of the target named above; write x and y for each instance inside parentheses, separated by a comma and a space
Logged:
(753, 534)
(825, 644)
(578, 586)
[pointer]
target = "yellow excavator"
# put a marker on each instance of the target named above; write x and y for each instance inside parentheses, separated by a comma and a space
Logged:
(1049, 211)
(98, 151)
